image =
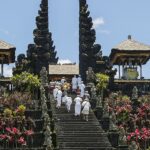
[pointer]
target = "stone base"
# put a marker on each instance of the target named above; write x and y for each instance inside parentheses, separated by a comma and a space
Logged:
(99, 113)
(113, 138)
(105, 124)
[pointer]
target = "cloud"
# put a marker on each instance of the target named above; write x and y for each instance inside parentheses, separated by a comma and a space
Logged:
(6, 32)
(8, 70)
(98, 22)
(64, 61)
(104, 31)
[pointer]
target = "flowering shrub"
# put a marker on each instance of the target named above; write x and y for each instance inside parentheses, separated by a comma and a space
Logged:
(7, 112)
(20, 110)
(122, 112)
(140, 136)
(13, 130)
(25, 81)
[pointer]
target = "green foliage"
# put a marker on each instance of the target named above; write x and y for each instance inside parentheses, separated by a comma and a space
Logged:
(25, 81)
(102, 81)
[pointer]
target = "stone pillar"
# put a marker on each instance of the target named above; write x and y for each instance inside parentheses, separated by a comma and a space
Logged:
(2, 68)
(119, 71)
(140, 71)
(123, 70)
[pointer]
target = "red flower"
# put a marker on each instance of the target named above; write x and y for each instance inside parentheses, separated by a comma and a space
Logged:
(3, 136)
(137, 132)
(28, 132)
(15, 131)
(128, 137)
(10, 138)
(21, 141)
(8, 130)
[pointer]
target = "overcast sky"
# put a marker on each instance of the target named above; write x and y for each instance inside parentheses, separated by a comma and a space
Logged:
(113, 21)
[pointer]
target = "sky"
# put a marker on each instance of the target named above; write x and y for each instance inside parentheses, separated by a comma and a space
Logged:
(113, 20)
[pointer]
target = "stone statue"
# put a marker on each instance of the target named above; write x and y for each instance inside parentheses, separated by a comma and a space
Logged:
(122, 137)
(90, 75)
(46, 120)
(93, 92)
(133, 146)
(44, 109)
(99, 101)
(112, 122)
(48, 139)
(135, 93)
(106, 109)
(42, 90)
(43, 76)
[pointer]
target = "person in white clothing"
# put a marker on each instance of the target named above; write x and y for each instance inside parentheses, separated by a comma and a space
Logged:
(59, 97)
(86, 108)
(82, 89)
(74, 84)
(68, 103)
(64, 98)
(63, 80)
(78, 101)
(79, 80)
(55, 90)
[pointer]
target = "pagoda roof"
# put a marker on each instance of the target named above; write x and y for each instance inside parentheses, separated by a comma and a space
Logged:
(5, 46)
(7, 52)
(130, 44)
(128, 49)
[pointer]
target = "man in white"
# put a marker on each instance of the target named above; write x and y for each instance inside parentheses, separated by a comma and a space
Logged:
(63, 80)
(68, 103)
(79, 80)
(55, 90)
(59, 96)
(86, 107)
(78, 101)
(82, 89)
(74, 84)
(64, 98)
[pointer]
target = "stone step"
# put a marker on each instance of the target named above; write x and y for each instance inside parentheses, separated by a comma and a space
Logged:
(81, 139)
(89, 148)
(78, 123)
(84, 144)
(79, 129)
(23, 148)
(74, 133)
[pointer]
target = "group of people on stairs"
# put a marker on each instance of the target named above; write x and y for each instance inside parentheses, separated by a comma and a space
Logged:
(82, 104)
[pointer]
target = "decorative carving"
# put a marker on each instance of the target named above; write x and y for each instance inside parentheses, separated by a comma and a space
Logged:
(122, 137)
(88, 50)
(90, 75)
(43, 76)
(134, 93)
(112, 122)
(42, 53)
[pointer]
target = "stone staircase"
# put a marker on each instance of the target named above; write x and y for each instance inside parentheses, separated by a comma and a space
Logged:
(73, 133)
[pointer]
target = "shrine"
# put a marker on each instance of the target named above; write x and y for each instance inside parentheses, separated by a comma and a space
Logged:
(130, 56)
(7, 55)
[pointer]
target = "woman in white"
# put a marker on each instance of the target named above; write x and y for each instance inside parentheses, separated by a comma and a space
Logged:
(59, 96)
(79, 80)
(78, 101)
(74, 83)
(86, 108)
(82, 89)
(68, 103)
(55, 90)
